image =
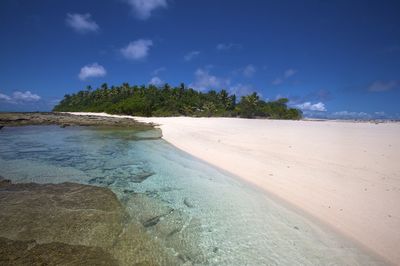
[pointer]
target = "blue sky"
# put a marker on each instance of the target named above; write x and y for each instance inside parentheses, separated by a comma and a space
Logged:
(330, 58)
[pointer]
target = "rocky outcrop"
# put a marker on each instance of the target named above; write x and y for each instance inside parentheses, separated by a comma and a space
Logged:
(64, 120)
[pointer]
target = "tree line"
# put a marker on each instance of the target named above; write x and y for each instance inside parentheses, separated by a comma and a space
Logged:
(173, 101)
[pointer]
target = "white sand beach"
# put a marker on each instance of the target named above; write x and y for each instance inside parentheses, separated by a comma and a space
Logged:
(345, 174)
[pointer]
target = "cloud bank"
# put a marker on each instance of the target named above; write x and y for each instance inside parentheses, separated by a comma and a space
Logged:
(20, 97)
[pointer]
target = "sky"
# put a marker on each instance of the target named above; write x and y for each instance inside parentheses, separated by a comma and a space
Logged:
(334, 59)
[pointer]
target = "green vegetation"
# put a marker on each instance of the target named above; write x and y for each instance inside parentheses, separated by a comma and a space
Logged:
(168, 101)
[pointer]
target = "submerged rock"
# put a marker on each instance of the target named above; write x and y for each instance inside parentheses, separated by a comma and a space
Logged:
(45, 224)
(173, 228)
(15, 252)
(147, 210)
(146, 251)
(187, 202)
(68, 213)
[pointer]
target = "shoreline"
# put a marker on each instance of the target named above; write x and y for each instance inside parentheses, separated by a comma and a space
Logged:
(360, 189)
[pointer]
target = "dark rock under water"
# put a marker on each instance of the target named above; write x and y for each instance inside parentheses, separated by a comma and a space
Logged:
(16, 252)
(74, 224)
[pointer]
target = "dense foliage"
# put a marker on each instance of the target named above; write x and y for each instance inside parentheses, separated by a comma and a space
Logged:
(168, 101)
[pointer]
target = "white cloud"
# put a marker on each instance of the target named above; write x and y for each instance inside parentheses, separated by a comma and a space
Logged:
(4, 97)
(137, 50)
(144, 8)
(227, 46)
(308, 106)
(379, 86)
(205, 81)
(290, 72)
(92, 71)
(189, 56)
(26, 96)
(156, 81)
(81, 23)
(249, 71)
(20, 97)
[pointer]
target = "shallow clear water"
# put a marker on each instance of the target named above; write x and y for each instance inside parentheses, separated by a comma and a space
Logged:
(221, 221)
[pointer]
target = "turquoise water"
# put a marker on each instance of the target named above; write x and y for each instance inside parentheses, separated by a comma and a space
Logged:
(219, 220)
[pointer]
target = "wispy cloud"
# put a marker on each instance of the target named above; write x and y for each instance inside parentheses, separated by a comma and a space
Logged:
(351, 115)
(308, 106)
(159, 70)
(277, 81)
(156, 81)
(144, 8)
(380, 86)
(228, 46)
(81, 23)
(205, 81)
(241, 89)
(92, 71)
(191, 55)
(20, 97)
(249, 71)
(290, 72)
(137, 50)
(287, 74)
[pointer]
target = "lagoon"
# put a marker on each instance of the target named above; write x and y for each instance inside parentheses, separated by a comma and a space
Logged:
(196, 212)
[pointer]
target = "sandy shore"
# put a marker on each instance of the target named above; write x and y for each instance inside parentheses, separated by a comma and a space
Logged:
(345, 174)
